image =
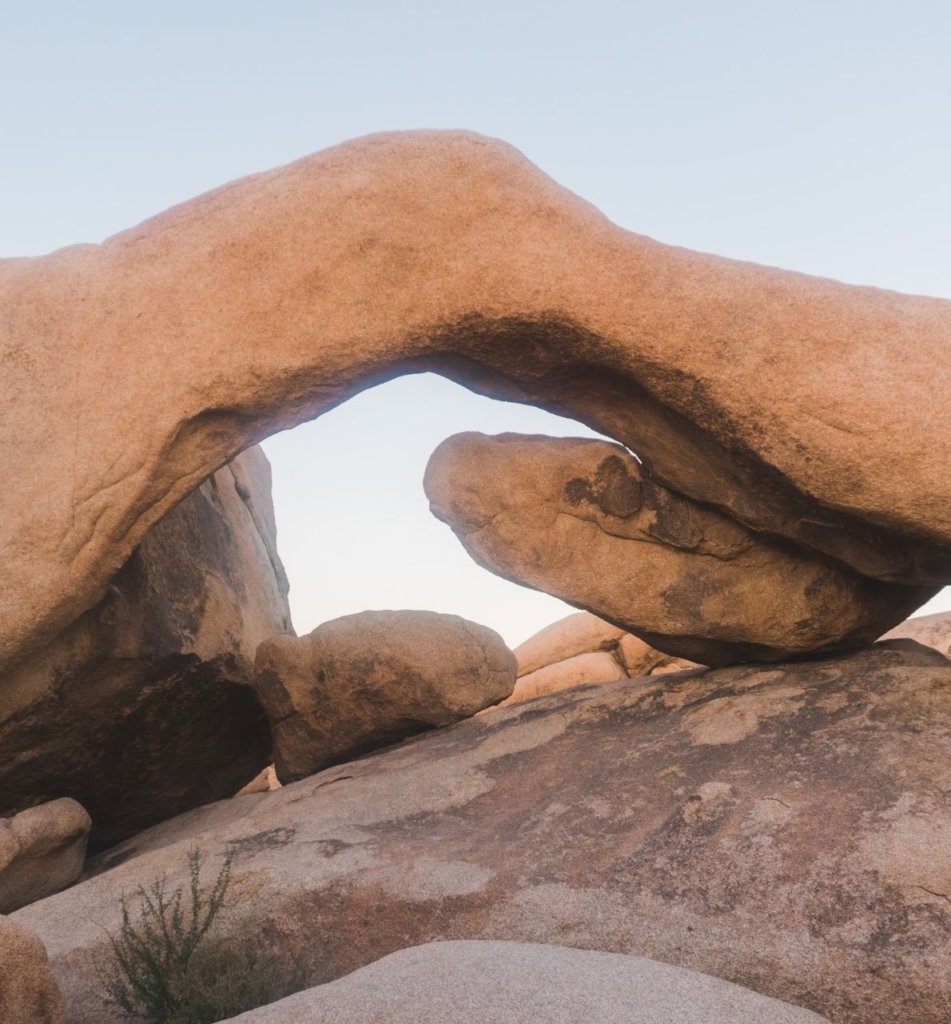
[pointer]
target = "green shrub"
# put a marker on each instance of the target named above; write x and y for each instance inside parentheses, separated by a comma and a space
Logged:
(166, 967)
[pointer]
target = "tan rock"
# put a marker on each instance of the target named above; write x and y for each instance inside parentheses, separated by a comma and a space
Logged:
(142, 707)
(785, 827)
(582, 669)
(28, 993)
(930, 630)
(579, 633)
(42, 850)
(524, 983)
(263, 782)
(270, 300)
(582, 520)
(365, 681)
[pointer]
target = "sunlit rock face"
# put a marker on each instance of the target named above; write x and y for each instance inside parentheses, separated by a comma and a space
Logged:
(582, 520)
(782, 826)
(798, 407)
(142, 707)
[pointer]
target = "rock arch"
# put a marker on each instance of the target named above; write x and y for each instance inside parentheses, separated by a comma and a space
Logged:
(804, 408)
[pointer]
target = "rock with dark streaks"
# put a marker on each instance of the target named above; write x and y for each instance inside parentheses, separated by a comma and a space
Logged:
(582, 520)
(783, 827)
(142, 707)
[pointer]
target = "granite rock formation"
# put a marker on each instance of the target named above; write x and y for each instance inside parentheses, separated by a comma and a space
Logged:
(42, 850)
(582, 520)
(134, 369)
(523, 983)
(364, 681)
(782, 827)
(142, 707)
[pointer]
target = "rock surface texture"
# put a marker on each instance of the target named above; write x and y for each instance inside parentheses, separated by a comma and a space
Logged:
(265, 302)
(521, 983)
(930, 630)
(784, 828)
(42, 850)
(142, 707)
(364, 681)
(581, 649)
(28, 993)
(582, 520)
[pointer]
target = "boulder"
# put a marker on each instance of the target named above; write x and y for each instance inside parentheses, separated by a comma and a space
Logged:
(134, 369)
(583, 520)
(581, 649)
(578, 633)
(143, 707)
(785, 828)
(930, 630)
(28, 993)
(364, 681)
(582, 669)
(524, 983)
(42, 850)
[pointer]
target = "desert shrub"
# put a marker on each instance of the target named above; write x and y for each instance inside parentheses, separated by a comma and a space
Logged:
(167, 967)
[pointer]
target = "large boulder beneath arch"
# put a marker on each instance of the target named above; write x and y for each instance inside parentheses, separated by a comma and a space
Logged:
(364, 681)
(783, 827)
(582, 520)
(143, 706)
(133, 369)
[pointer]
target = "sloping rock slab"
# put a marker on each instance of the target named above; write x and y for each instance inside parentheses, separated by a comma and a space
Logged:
(521, 983)
(142, 708)
(784, 828)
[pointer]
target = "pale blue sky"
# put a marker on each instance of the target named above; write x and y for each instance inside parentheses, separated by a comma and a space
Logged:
(814, 136)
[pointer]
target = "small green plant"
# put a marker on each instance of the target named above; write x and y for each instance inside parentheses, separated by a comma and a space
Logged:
(167, 968)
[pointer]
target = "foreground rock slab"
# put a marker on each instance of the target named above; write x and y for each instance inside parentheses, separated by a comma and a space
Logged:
(580, 519)
(28, 993)
(783, 828)
(272, 299)
(143, 707)
(364, 681)
(42, 850)
(522, 983)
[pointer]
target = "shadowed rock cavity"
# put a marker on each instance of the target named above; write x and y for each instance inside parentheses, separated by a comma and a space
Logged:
(800, 407)
(580, 519)
(143, 706)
